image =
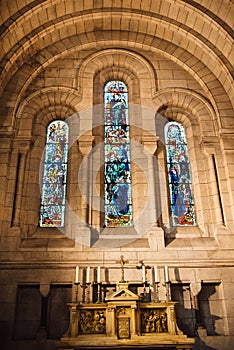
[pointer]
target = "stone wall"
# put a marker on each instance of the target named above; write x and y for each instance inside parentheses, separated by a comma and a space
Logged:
(176, 59)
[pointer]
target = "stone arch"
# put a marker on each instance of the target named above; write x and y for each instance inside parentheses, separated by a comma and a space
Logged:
(157, 45)
(44, 26)
(201, 124)
(33, 117)
(34, 48)
(42, 106)
(121, 63)
(98, 69)
(106, 65)
(190, 108)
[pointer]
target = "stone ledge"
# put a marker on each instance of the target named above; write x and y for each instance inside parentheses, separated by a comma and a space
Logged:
(46, 243)
(140, 342)
(195, 243)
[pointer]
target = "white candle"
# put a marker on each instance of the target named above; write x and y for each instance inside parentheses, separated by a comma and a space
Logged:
(99, 274)
(143, 273)
(77, 274)
(88, 274)
(156, 277)
(166, 274)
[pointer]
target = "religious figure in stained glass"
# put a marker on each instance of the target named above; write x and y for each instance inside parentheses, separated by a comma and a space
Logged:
(54, 180)
(117, 175)
(179, 177)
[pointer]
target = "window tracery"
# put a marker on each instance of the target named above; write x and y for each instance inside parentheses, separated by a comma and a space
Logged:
(117, 175)
(179, 175)
(53, 198)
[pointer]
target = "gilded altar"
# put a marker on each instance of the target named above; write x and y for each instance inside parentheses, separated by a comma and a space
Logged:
(123, 319)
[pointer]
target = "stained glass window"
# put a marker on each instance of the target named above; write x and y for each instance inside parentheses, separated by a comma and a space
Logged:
(54, 180)
(179, 177)
(117, 175)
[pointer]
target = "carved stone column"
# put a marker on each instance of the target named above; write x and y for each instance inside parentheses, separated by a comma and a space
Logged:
(73, 324)
(156, 234)
(214, 187)
(85, 143)
(150, 143)
(23, 149)
(172, 325)
(111, 321)
(133, 320)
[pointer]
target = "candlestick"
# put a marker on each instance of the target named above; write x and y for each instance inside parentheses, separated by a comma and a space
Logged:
(168, 291)
(77, 275)
(156, 277)
(99, 293)
(143, 273)
(99, 274)
(166, 274)
(76, 291)
(88, 292)
(88, 275)
(156, 292)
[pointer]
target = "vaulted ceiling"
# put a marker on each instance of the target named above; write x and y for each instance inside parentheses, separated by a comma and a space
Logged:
(196, 35)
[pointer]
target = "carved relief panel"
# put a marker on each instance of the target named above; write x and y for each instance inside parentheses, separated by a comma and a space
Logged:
(153, 320)
(92, 321)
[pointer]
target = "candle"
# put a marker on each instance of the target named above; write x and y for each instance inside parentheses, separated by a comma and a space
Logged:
(99, 274)
(143, 273)
(166, 274)
(88, 275)
(156, 277)
(77, 274)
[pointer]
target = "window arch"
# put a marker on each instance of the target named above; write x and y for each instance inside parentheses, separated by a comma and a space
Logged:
(117, 175)
(179, 175)
(53, 193)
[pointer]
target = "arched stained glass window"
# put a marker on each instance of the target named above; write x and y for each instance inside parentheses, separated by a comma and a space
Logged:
(117, 175)
(54, 180)
(179, 177)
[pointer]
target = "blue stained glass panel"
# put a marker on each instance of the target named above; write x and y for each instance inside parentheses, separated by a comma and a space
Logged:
(53, 198)
(117, 174)
(179, 177)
